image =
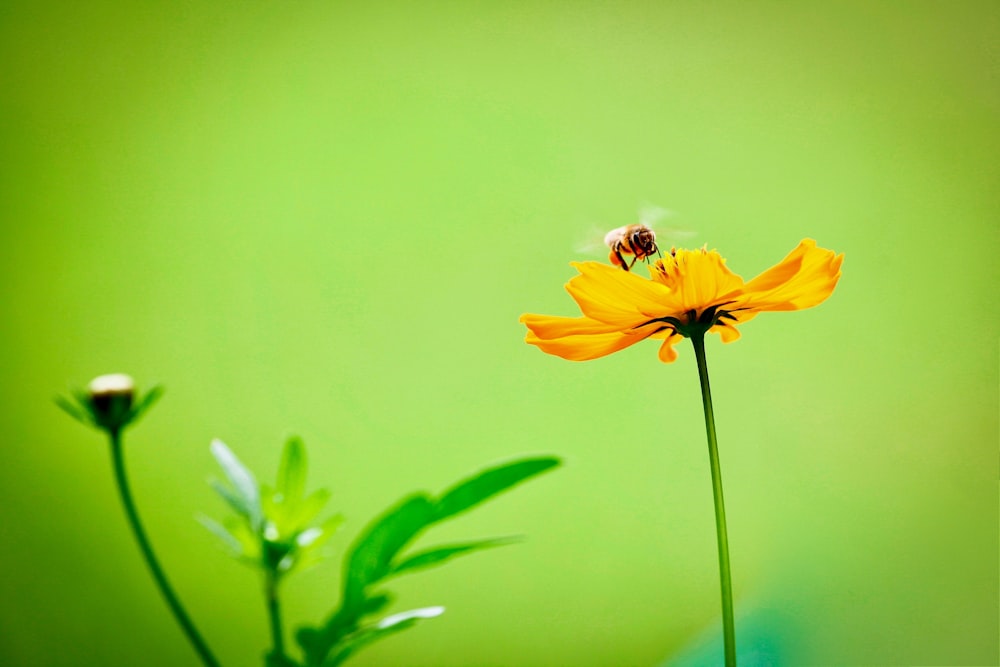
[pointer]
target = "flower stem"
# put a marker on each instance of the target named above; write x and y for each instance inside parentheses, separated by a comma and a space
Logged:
(728, 627)
(274, 614)
(147, 551)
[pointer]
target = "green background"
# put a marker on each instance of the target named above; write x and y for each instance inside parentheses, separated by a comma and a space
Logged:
(325, 218)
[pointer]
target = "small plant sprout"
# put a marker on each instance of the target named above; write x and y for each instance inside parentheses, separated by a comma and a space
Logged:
(272, 529)
(277, 530)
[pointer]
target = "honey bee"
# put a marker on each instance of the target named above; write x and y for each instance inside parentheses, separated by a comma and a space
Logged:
(637, 240)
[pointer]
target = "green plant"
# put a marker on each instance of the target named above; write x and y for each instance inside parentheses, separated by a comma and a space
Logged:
(276, 530)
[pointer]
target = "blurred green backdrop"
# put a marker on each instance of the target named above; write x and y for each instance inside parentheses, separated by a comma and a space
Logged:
(325, 218)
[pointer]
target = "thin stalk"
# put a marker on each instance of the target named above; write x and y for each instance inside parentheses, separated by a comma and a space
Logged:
(274, 614)
(147, 551)
(728, 626)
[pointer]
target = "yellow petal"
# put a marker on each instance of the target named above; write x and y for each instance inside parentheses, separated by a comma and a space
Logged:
(667, 352)
(783, 271)
(548, 327)
(727, 332)
(614, 296)
(585, 346)
(805, 278)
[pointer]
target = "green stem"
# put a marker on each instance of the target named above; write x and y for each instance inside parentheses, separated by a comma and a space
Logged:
(728, 627)
(274, 613)
(147, 551)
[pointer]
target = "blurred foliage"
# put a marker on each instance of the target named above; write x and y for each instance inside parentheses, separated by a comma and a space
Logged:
(272, 530)
(273, 527)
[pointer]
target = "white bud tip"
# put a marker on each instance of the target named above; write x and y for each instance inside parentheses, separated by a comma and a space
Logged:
(109, 385)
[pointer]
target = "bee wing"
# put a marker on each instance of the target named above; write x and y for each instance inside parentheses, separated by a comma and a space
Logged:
(592, 242)
(652, 216)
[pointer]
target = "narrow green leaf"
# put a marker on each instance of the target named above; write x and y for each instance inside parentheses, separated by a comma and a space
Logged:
(305, 511)
(387, 626)
(236, 502)
(231, 543)
(145, 402)
(488, 483)
(438, 555)
(77, 412)
(316, 536)
(249, 540)
(309, 543)
(243, 481)
(317, 643)
(292, 471)
(370, 558)
(82, 397)
(303, 560)
(357, 642)
(273, 511)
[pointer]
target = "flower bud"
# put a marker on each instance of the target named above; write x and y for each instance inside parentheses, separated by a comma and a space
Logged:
(111, 399)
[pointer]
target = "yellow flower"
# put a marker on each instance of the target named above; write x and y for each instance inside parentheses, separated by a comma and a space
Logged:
(689, 292)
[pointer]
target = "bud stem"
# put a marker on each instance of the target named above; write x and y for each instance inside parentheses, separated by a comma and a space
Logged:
(147, 551)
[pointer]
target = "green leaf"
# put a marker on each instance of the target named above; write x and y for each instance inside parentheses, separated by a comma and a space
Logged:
(291, 483)
(309, 543)
(374, 556)
(233, 545)
(307, 510)
(243, 481)
(317, 643)
(310, 640)
(248, 539)
(292, 518)
(316, 536)
(488, 483)
(370, 558)
(145, 403)
(77, 412)
(235, 501)
(387, 626)
(438, 555)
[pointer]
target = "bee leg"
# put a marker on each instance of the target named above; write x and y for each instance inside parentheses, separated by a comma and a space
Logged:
(621, 260)
(632, 263)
